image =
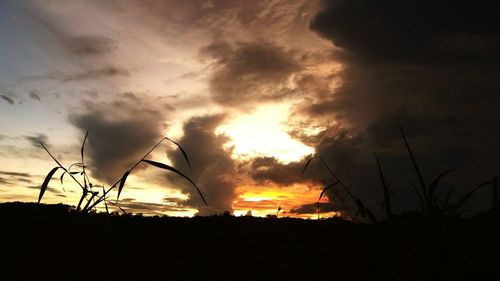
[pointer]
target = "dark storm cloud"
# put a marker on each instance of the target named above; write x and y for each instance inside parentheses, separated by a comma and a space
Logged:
(212, 167)
(432, 66)
(403, 30)
(249, 72)
(119, 134)
(7, 99)
(90, 45)
(312, 208)
(269, 169)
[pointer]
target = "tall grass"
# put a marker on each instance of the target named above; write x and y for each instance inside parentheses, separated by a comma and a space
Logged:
(386, 205)
(361, 209)
(430, 202)
(96, 194)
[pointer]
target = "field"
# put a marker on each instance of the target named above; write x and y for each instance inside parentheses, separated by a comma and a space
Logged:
(54, 243)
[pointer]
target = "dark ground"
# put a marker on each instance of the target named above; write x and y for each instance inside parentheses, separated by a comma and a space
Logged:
(48, 242)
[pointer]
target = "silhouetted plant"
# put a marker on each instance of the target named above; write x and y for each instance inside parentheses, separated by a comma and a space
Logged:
(386, 205)
(430, 202)
(323, 193)
(95, 197)
(365, 212)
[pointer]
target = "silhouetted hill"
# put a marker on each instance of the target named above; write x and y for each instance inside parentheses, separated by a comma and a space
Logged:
(52, 242)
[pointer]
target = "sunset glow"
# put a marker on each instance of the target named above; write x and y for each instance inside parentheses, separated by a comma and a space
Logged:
(262, 133)
(246, 90)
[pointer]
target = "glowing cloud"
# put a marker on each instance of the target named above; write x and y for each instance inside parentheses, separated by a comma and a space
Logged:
(263, 133)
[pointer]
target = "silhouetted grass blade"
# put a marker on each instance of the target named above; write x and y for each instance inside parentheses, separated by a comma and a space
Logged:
(361, 207)
(167, 167)
(122, 183)
(58, 163)
(420, 197)
(448, 196)
(415, 165)
(434, 184)
(385, 186)
(182, 151)
(307, 163)
(62, 176)
(116, 205)
(83, 144)
(326, 188)
(45, 183)
(105, 203)
(466, 197)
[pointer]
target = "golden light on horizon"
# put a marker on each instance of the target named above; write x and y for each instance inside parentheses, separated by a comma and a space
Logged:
(262, 133)
(265, 200)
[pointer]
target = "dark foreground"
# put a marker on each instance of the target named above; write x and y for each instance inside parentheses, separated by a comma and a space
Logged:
(48, 242)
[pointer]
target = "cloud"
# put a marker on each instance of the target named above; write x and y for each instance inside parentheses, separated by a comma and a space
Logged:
(7, 99)
(89, 45)
(412, 30)
(402, 62)
(120, 132)
(131, 205)
(212, 167)
(87, 73)
(90, 74)
(4, 181)
(37, 139)
(15, 174)
(249, 72)
(35, 96)
(399, 70)
(269, 169)
(11, 178)
(312, 208)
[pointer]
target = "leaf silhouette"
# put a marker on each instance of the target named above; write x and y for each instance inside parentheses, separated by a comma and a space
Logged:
(182, 151)
(361, 207)
(434, 184)
(172, 169)
(326, 188)
(83, 144)
(415, 165)
(116, 205)
(307, 163)
(122, 183)
(62, 177)
(52, 156)
(386, 205)
(465, 198)
(45, 183)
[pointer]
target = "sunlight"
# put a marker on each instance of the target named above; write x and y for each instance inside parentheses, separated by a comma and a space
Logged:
(263, 133)
(264, 200)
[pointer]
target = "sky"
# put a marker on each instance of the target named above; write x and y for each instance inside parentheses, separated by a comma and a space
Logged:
(250, 90)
